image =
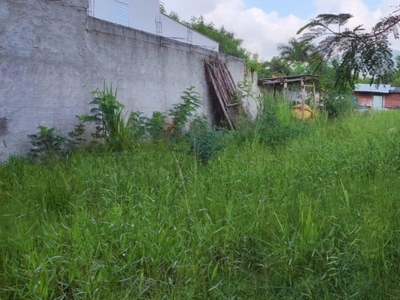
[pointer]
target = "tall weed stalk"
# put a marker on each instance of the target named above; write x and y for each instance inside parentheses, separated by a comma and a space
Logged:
(107, 115)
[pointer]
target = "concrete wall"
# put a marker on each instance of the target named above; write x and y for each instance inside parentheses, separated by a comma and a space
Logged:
(52, 55)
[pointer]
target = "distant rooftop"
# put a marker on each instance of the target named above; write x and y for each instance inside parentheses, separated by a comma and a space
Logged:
(287, 79)
(373, 88)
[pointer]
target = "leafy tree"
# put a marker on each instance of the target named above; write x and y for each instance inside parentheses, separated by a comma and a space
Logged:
(327, 75)
(353, 52)
(228, 43)
(396, 79)
(296, 51)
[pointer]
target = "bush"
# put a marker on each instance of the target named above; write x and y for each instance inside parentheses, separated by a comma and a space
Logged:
(182, 112)
(274, 126)
(337, 104)
(137, 125)
(49, 142)
(108, 119)
(142, 127)
(204, 142)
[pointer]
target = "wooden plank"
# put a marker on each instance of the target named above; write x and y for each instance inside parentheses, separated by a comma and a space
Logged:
(224, 88)
(219, 95)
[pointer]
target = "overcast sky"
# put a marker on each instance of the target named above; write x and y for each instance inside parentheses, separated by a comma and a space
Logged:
(263, 24)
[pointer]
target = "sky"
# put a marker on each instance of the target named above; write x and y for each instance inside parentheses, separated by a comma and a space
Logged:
(264, 24)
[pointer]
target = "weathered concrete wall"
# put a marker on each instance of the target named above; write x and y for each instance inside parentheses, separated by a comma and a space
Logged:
(52, 55)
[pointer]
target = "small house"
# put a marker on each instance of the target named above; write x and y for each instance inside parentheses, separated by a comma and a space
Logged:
(379, 97)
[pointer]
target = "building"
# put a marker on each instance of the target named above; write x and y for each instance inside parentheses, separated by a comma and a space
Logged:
(376, 97)
(146, 16)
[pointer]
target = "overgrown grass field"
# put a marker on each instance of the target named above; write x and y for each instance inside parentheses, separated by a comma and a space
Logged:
(316, 216)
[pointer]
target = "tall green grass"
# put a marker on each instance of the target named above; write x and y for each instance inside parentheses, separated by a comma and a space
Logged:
(315, 217)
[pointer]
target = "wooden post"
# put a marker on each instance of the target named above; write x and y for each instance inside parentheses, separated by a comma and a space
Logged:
(303, 98)
(314, 95)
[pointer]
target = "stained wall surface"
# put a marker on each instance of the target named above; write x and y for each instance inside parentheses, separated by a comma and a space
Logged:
(53, 55)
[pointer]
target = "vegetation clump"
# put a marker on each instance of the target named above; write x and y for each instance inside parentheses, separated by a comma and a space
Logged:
(313, 216)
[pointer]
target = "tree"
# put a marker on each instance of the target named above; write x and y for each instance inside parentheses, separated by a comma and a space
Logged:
(354, 52)
(396, 79)
(296, 51)
(275, 67)
(228, 43)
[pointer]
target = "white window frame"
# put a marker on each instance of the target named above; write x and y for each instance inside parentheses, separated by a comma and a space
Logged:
(121, 14)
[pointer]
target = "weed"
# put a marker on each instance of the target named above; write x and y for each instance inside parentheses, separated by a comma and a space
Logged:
(316, 218)
(274, 126)
(142, 127)
(155, 125)
(48, 142)
(204, 142)
(337, 105)
(137, 124)
(182, 112)
(107, 115)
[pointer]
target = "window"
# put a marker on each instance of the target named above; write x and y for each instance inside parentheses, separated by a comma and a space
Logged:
(121, 13)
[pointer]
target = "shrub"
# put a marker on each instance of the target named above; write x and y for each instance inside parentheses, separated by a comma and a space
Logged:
(48, 142)
(137, 124)
(337, 104)
(274, 126)
(204, 142)
(108, 119)
(182, 112)
(155, 125)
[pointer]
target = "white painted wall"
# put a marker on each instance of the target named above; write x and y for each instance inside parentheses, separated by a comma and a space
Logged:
(145, 15)
(175, 30)
(142, 14)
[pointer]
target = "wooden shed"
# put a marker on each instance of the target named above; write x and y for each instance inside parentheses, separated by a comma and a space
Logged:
(297, 87)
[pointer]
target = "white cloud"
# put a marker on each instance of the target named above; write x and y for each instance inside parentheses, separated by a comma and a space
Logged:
(362, 15)
(260, 31)
(357, 8)
(187, 9)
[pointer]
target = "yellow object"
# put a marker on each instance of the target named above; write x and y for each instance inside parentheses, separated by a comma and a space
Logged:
(306, 113)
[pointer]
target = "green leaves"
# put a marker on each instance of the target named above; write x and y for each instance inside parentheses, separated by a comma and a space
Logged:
(296, 51)
(181, 112)
(108, 119)
(354, 53)
(228, 43)
(48, 142)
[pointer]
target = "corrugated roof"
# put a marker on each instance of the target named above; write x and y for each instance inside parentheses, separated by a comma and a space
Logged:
(367, 88)
(287, 79)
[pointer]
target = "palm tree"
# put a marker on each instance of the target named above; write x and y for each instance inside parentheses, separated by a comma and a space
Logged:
(296, 51)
